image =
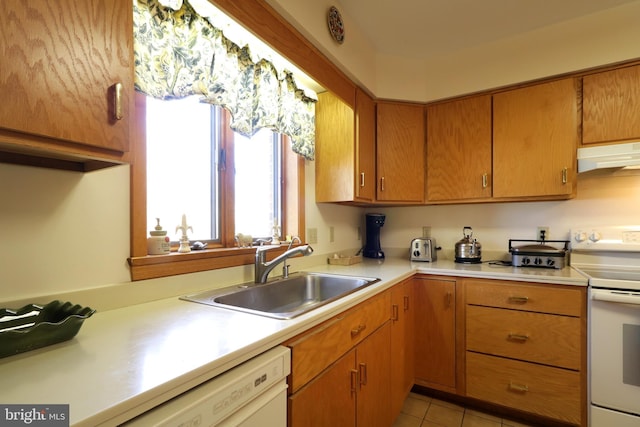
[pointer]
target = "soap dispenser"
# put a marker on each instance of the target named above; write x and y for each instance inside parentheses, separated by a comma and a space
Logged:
(159, 242)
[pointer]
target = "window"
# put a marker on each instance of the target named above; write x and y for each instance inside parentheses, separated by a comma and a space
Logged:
(225, 192)
(184, 161)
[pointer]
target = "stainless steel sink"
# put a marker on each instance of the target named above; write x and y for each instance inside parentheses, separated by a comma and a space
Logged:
(284, 298)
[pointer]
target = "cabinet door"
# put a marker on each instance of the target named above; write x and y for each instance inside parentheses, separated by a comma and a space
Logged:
(459, 149)
(60, 63)
(435, 326)
(328, 400)
(365, 147)
(335, 149)
(374, 363)
(400, 152)
(610, 105)
(535, 138)
(402, 348)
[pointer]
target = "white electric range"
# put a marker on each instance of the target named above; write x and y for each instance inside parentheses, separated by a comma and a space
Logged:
(610, 258)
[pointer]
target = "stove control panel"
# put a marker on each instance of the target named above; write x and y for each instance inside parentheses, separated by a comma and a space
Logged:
(606, 238)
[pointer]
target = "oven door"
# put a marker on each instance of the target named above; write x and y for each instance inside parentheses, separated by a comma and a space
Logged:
(615, 357)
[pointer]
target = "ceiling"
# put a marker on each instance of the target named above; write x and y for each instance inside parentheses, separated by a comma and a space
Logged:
(422, 29)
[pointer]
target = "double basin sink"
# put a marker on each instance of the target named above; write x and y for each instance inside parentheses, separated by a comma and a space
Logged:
(284, 298)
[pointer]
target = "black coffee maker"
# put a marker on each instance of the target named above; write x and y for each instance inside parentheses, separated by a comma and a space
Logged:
(374, 223)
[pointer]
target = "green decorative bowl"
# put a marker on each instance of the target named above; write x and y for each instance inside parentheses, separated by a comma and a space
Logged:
(34, 326)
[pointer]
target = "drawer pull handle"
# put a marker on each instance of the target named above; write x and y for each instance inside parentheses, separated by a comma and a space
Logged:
(357, 330)
(518, 337)
(361, 179)
(522, 388)
(394, 312)
(406, 303)
(519, 300)
(354, 381)
(363, 373)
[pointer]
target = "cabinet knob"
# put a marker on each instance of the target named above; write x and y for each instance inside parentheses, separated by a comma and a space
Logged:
(358, 329)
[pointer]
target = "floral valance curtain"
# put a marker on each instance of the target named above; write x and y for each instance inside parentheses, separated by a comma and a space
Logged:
(179, 53)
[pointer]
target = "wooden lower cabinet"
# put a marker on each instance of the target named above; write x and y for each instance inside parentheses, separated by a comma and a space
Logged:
(526, 347)
(435, 326)
(542, 390)
(354, 391)
(402, 343)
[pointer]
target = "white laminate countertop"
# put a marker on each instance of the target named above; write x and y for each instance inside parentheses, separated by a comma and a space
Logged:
(124, 362)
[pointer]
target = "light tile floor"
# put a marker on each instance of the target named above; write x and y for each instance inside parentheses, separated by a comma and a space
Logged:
(424, 411)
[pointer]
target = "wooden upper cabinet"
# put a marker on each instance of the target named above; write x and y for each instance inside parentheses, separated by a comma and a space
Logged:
(400, 157)
(459, 150)
(365, 147)
(610, 105)
(335, 149)
(345, 149)
(535, 138)
(61, 62)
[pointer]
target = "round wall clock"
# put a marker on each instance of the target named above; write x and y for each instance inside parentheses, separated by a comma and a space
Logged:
(336, 26)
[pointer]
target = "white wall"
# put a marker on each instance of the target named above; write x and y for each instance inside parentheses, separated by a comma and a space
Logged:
(596, 39)
(604, 198)
(65, 232)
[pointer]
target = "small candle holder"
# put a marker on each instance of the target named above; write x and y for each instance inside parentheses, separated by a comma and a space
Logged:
(184, 240)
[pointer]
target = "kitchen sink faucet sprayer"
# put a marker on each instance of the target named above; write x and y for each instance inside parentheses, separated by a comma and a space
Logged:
(262, 268)
(285, 266)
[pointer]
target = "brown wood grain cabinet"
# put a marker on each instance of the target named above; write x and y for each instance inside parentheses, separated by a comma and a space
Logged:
(341, 369)
(535, 137)
(435, 326)
(459, 144)
(345, 149)
(526, 347)
(67, 78)
(400, 152)
(610, 105)
(402, 343)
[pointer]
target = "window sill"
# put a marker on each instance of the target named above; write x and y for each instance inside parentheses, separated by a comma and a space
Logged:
(155, 266)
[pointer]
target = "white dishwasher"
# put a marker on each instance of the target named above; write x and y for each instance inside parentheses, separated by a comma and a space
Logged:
(253, 394)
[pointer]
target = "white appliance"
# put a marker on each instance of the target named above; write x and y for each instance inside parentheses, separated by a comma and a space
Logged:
(610, 258)
(253, 394)
(609, 156)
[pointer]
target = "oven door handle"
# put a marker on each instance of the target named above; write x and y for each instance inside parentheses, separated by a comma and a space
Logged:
(616, 296)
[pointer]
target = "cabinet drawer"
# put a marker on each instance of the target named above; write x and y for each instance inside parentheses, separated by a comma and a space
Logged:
(542, 390)
(315, 350)
(553, 299)
(535, 337)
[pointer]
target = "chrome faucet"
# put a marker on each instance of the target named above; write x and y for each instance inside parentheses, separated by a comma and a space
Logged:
(262, 268)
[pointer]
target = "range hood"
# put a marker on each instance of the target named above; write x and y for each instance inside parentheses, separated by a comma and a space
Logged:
(609, 156)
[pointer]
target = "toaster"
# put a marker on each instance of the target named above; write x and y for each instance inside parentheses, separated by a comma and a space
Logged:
(423, 249)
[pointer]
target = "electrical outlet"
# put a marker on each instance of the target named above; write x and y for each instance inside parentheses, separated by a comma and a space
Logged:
(312, 235)
(543, 233)
(331, 235)
(426, 231)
